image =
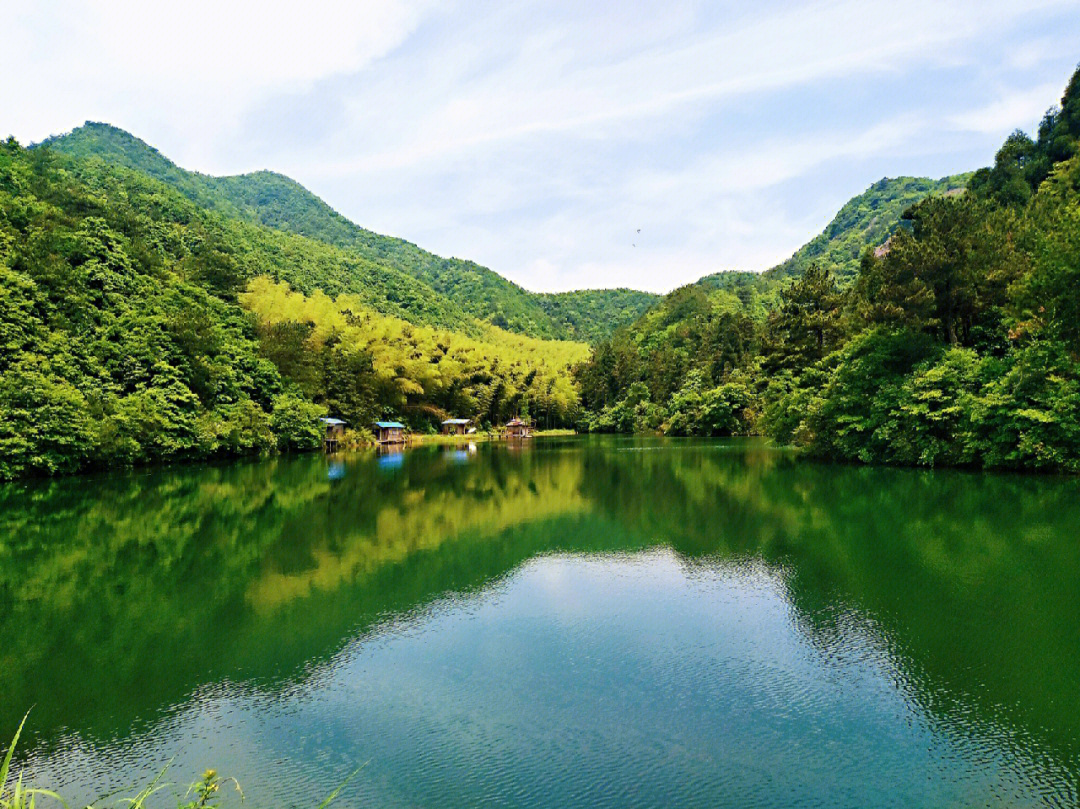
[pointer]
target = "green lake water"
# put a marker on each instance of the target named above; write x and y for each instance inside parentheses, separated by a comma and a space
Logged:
(575, 622)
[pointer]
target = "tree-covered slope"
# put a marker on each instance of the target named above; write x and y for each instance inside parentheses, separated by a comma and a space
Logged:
(151, 189)
(959, 345)
(590, 315)
(422, 373)
(866, 220)
(275, 201)
(123, 339)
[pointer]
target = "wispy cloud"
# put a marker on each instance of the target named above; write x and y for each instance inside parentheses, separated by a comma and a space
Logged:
(1014, 109)
(538, 137)
(204, 59)
(560, 83)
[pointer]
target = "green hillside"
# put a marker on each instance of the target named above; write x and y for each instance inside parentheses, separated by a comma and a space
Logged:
(132, 330)
(591, 315)
(866, 220)
(957, 346)
(236, 249)
(278, 202)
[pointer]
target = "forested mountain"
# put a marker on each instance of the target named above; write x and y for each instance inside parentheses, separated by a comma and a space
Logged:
(278, 202)
(959, 344)
(590, 315)
(123, 338)
(866, 220)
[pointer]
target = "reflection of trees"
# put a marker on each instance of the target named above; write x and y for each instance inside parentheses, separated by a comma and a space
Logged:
(120, 595)
(401, 521)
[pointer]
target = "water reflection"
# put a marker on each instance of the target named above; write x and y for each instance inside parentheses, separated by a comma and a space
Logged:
(772, 617)
(390, 456)
(459, 454)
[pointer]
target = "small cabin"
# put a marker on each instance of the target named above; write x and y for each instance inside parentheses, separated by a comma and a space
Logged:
(335, 433)
(455, 426)
(516, 428)
(389, 432)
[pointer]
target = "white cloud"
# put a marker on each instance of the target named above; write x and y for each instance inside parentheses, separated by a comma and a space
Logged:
(187, 67)
(548, 88)
(536, 137)
(773, 161)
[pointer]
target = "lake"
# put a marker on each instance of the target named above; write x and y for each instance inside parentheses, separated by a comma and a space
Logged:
(593, 621)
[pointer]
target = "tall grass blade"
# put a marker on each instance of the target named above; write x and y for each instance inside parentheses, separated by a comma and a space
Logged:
(48, 793)
(139, 800)
(17, 796)
(7, 758)
(341, 786)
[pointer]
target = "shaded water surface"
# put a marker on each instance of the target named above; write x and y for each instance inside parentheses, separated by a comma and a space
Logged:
(602, 622)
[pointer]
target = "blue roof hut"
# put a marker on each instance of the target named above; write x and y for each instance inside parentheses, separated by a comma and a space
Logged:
(389, 432)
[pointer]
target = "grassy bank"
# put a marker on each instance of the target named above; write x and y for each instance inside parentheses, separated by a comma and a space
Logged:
(420, 439)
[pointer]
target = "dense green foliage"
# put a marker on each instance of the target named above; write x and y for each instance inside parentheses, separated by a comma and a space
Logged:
(692, 342)
(280, 203)
(1022, 163)
(122, 339)
(113, 346)
(364, 366)
(866, 220)
(957, 343)
(591, 315)
(239, 250)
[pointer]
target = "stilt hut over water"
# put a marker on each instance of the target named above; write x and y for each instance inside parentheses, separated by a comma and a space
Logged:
(455, 426)
(335, 432)
(516, 428)
(389, 432)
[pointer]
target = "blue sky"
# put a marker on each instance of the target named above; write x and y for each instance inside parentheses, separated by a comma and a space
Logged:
(538, 138)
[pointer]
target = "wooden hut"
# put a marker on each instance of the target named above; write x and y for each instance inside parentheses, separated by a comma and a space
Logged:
(335, 432)
(455, 426)
(389, 432)
(516, 428)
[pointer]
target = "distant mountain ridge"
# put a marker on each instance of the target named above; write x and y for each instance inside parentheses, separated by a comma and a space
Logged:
(273, 200)
(276, 201)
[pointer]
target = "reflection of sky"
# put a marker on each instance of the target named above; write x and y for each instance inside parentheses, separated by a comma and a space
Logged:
(601, 681)
(391, 460)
